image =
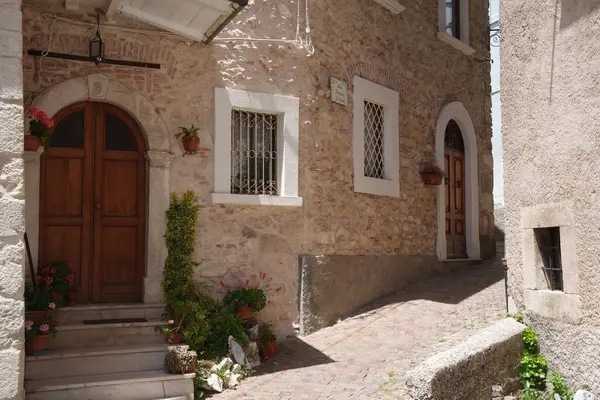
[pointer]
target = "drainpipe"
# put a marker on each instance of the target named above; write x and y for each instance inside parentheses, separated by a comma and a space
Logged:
(236, 10)
(505, 265)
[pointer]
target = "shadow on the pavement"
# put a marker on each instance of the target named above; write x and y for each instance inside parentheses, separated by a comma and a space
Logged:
(450, 287)
(293, 354)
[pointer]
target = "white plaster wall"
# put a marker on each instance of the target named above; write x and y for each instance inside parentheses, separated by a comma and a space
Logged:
(12, 202)
(550, 81)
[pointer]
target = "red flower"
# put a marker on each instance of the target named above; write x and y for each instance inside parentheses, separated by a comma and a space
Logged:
(49, 122)
(54, 295)
(269, 302)
(70, 265)
(70, 278)
(45, 270)
(222, 284)
(247, 281)
(42, 115)
(241, 288)
(47, 287)
(38, 278)
(53, 270)
(266, 287)
(48, 279)
(278, 289)
(34, 112)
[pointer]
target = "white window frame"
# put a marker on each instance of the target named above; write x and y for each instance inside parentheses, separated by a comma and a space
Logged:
(390, 100)
(287, 109)
(461, 44)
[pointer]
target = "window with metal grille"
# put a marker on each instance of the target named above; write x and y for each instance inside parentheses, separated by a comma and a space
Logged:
(548, 241)
(374, 140)
(453, 18)
(253, 153)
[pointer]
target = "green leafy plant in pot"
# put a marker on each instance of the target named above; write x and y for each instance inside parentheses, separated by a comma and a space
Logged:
(189, 138)
(39, 130)
(36, 336)
(247, 300)
(431, 174)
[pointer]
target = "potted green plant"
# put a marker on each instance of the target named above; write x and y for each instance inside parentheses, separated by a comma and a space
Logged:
(181, 361)
(247, 300)
(431, 174)
(47, 292)
(39, 130)
(189, 138)
(268, 341)
(36, 336)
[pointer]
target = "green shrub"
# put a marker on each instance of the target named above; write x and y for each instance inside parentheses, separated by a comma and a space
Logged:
(530, 341)
(530, 394)
(559, 387)
(252, 297)
(223, 324)
(533, 369)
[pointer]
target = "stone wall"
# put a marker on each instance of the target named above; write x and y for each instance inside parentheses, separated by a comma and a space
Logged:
(348, 38)
(11, 202)
(550, 121)
(469, 370)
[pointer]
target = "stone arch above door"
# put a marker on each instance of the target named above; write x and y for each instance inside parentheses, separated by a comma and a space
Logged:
(99, 88)
(456, 111)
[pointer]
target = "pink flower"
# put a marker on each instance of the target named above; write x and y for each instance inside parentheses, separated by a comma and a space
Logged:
(49, 122)
(28, 325)
(52, 305)
(48, 279)
(44, 327)
(34, 112)
(53, 270)
(171, 322)
(70, 277)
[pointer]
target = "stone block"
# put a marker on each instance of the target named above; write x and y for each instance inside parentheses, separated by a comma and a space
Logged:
(10, 19)
(11, 380)
(11, 129)
(469, 370)
(10, 44)
(11, 268)
(11, 80)
(12, 222)
(12, 315)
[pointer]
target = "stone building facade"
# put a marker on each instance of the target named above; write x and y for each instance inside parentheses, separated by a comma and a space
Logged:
(550, 137)
(329, 244)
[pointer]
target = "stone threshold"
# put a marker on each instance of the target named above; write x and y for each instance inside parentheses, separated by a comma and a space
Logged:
(116, 306)
(72, 326)
(54, 354)
(461, 260)
(102, 380)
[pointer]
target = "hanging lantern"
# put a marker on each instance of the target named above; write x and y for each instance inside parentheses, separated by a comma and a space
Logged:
(97, 45)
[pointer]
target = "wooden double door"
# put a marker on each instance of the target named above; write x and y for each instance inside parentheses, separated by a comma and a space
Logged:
(454, 168)
(93, 200)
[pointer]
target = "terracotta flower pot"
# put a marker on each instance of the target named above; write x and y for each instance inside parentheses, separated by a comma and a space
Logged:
(38, 317)
(269, 349)
(190, 144)
(36, 345)
(245, 312)
(175, 338)
(32, 143)
(72, 298)
(431, 179)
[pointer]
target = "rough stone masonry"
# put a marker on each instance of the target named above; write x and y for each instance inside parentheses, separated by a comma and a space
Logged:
(12, 202)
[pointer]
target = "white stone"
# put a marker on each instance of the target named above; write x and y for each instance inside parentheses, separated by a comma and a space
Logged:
(237, 351)
(11, 129)
(234, 380)
(236, 369)
(11, 364)
(584, 395)
(557, 396)
(10, 43)
(11, 82)
(214, 382)
(224, 362)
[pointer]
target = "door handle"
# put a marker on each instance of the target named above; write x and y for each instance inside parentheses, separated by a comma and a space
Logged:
(98, 206)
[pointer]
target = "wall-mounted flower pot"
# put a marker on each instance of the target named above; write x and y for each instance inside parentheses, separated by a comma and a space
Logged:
(432, 179)
(36, 345)
(32, 143)
(269, 349)
(190, 144)
(245, 312)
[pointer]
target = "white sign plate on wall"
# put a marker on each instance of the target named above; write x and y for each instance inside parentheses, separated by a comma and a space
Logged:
(339, 92)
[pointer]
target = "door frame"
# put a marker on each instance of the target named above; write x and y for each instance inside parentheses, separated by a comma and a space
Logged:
(459, 113)
(99, 88)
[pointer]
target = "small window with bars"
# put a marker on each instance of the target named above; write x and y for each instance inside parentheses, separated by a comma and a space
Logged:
(253, 153)
(548, 241)
(374, 140)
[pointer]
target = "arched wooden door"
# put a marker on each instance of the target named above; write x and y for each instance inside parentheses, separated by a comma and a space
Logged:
(92, 201)
(454, 168)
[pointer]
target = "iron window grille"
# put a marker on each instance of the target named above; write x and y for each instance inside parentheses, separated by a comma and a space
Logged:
(548, 240)
(253, 153)
(374, 141)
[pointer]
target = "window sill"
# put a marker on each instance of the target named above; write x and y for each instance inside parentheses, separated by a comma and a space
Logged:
(393, 5)
(255, 200)
(457, 44)
(554, 304)
(376, 187)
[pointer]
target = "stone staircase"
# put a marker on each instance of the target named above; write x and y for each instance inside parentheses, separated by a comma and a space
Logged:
(121, 361)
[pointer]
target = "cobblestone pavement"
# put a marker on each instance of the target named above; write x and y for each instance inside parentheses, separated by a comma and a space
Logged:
(367, 356)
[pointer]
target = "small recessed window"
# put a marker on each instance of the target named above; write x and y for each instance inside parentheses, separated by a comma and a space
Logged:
(453, 18)
(548, 242)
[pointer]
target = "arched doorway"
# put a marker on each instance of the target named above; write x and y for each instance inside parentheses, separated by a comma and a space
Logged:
(454, 119)
(454, 168)
(93, 200)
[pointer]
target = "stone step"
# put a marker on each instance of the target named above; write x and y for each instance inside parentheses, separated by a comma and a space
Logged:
(140, 385)
(186, 397)
(74, 335)
(62, 363)
(109, 311)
